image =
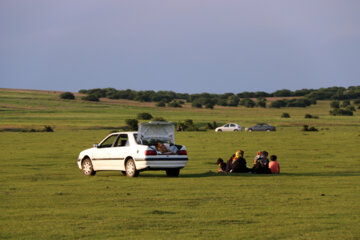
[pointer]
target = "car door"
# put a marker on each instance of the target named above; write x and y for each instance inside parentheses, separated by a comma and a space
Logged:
(226, 127)
(119, 152)
(101, 155)
(232, 127)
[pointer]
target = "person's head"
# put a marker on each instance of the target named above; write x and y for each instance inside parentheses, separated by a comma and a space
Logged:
(239, 153)
(265, 153)
(273, 157)
(219, 161)
(159, 144)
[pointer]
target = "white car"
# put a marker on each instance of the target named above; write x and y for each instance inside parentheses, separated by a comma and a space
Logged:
(229, 127)
(132, 152)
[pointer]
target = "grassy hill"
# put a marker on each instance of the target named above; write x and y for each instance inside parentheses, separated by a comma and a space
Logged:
(43, 195)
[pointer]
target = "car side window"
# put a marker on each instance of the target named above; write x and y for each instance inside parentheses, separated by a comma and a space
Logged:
(108, 142)
(227, 125)
(232, 125)
(122, 141)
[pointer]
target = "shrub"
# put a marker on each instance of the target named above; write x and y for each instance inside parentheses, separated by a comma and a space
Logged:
(67, 95)
(187, 125)
(174, 104)
(335, 104)
(285, 115)
(350, 108)
(159, 119)
(196, 105)
(341, 112)
(161, 104)
(132, 124)
(357, 101)
(144, 116)
(209, 105)
(307, 129)
(211, 125)
(48, 129)
(278, 104)
(247, 102)
(308, 116)
(345, 103)
(261, 103)
(91, 97)
(232, 100)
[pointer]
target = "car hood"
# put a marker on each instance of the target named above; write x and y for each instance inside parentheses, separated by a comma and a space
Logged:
(157, 130)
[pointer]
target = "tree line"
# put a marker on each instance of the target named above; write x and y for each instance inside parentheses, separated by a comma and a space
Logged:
(305, 97)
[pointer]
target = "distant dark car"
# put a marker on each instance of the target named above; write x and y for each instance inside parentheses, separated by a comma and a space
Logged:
(261, 127)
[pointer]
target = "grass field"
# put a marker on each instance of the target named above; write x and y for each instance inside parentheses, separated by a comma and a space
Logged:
(43, 195)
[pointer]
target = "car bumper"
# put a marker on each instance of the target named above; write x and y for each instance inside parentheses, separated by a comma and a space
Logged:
(161, 163)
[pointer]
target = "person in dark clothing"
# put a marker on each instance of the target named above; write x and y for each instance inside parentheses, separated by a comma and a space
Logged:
(221, 164)
(239, 162)
(229, 164)
(261, 163)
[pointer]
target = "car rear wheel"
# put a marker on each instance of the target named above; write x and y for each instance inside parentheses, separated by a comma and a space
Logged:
(173, 172)
(87, 168)
(268, 130)
(235, 130)
(130, 168)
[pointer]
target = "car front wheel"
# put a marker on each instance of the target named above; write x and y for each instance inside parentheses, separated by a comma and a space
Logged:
(250, 130)
(130, 168)
(87, 168)
(219, 130)
(172, 172)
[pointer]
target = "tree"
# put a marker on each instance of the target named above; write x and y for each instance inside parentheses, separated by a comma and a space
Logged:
(247, 102)
(132, 124)
(335, 104)
(67, 95)
(144, 116)
(91, 97)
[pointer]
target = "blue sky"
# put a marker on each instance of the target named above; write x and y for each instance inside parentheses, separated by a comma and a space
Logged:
(187, 46)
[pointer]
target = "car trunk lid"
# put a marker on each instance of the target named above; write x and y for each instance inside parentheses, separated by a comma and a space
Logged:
(164, 131)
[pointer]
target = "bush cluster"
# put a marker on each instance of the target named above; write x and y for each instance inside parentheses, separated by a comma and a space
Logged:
(306, 128)
(298, 102)
(144, 116)
(67, 95)
(311, 116)
(90, 97)
(342, 109)
(285, 115)
(132, 124)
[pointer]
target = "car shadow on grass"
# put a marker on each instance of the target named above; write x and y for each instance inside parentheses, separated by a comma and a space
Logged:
(216, 174)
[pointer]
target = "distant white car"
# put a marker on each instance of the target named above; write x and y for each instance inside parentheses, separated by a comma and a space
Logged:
(132, 152)
(229, 127)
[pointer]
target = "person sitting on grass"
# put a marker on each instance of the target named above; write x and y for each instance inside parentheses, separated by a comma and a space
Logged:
(261, 163)
(274, 165)
(222, 165)
(239, 162)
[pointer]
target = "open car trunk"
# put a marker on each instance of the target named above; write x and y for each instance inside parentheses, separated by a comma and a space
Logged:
(156, 131)
(151, 133)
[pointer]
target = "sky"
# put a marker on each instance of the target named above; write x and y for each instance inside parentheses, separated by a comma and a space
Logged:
(187, 46)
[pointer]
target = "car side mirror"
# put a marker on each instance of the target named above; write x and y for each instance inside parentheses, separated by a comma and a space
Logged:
(96, 146)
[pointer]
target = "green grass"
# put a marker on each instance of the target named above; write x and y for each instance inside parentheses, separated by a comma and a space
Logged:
(43, 195)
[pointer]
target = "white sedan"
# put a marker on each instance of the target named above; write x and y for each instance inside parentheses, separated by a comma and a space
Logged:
(151, 148)
(229, 127)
